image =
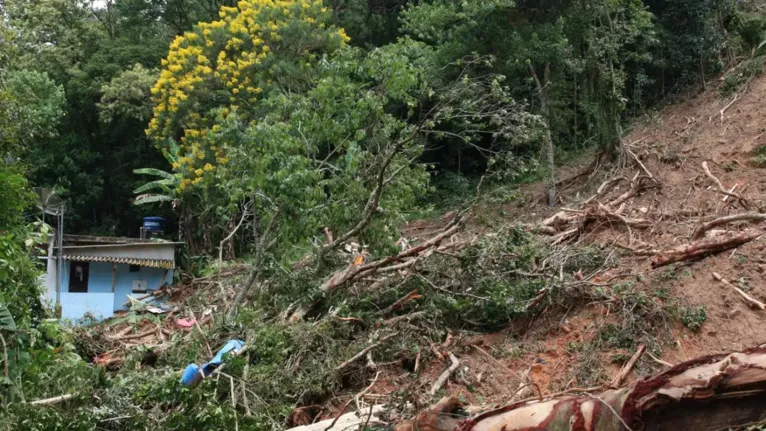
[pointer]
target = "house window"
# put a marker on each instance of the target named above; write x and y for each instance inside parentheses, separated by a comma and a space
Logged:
(134, 268)
(78, 277)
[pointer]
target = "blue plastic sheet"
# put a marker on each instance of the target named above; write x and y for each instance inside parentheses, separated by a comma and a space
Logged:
(194, 373)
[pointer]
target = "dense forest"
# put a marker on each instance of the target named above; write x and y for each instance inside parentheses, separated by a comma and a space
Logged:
(275, 132)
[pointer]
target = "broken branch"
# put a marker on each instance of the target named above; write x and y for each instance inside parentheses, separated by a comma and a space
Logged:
(365, 350)
(445, 375)
(750, 300)
(400, 303)
(721, 188)
(635, 157)
(704, 248)
(620, 377)
(54, 400)
(700, 231)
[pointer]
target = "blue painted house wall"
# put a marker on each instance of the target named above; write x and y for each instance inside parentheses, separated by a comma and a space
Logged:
(100, 281)
(100, 300)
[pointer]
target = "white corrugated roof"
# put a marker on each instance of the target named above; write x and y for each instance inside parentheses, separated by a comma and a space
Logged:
(152, 263)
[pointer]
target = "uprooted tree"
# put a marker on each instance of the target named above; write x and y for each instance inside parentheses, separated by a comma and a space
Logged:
(708, 393)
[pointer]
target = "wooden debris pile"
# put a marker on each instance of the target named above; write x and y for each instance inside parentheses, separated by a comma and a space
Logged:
(569, 225)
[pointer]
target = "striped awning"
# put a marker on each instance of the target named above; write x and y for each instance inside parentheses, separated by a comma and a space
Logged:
(151, 263)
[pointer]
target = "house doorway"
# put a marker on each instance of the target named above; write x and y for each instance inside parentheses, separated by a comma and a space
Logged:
(78, 277)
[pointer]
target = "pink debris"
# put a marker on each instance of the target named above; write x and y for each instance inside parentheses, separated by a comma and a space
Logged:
(185, 323)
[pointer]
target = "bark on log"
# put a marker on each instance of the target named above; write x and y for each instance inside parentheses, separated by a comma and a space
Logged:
(704, 248)
(705, 394)
(349, 421)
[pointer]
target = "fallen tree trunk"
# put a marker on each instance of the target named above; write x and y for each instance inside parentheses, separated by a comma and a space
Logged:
(704, 248)
(705, 394)
(348, 421)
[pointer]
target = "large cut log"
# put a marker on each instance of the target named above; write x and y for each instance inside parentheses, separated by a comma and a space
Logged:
(705, 394)
(705, 247)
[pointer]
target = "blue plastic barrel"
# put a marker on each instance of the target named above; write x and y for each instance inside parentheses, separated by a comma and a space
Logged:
(154, 224)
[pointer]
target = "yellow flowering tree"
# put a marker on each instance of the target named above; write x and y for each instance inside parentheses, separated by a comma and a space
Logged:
(228, 67)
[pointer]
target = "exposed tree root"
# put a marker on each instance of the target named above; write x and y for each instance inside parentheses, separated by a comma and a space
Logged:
(705, 247)
(705, 394)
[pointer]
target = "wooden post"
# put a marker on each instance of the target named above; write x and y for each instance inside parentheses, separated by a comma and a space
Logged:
(114, 275)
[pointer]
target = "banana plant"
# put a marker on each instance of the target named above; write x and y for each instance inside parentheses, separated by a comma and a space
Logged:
(165, 188)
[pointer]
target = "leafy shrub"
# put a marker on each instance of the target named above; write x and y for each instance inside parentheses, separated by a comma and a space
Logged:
(693, 317)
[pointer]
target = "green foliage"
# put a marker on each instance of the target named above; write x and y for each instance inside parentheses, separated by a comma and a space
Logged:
(751, 28)
(759, 159)
(30, 110)
(127, 95)
(6, 319)
(736, 79)
(693, 317)
(19, 289)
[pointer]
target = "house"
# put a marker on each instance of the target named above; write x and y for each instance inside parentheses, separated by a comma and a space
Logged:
(98, 273)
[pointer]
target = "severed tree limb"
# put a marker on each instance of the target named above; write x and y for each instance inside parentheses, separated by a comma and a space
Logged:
(543, 230)
(658, 360)
(365, 351)
(445, 375)
(354, 272)
(54, 400)
(705, 394)
(248, 413)
(620, 377)
(721, 188)
(636, 187)
(700, 231)
(750, 300)
(637, 160)
(346, 422)
(400, 303)
(704, 247)
(604, 187)
(604, 212)
(636, 251)
(136, 336)
(564, 236)
(405, 317)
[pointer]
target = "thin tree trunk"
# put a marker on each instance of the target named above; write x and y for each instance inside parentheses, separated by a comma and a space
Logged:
(542, 93)
(575, 111)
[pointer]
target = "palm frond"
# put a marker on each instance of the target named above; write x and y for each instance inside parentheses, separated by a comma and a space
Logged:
(155, 172)
(151, 198)
(165, 185)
